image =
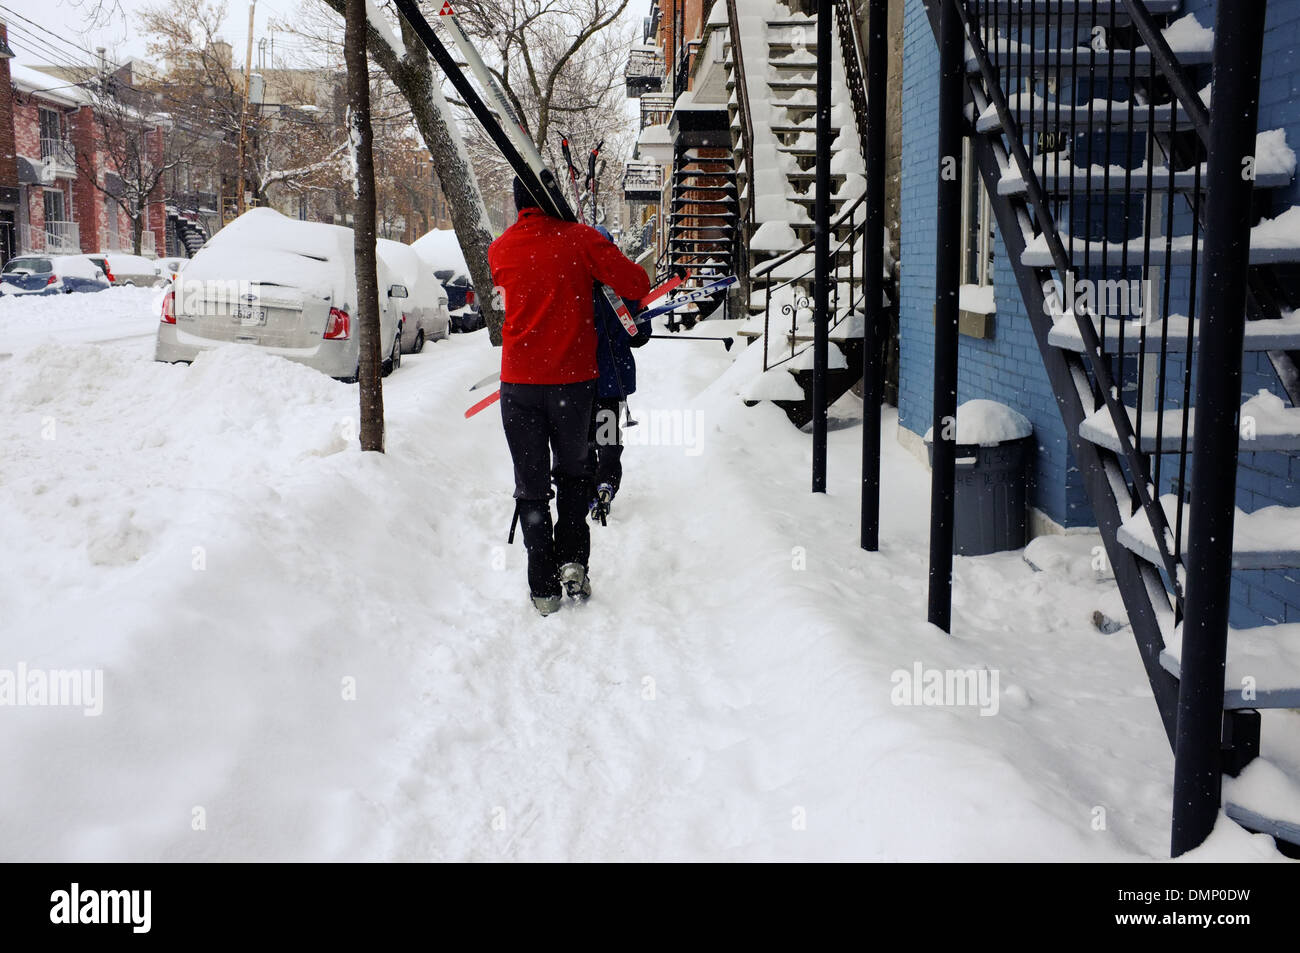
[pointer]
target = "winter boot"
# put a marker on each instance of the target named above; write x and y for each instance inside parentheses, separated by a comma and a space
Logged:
(545, 605)
(573, 577)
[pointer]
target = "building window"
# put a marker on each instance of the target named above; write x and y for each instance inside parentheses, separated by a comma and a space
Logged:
(51, 131)
(110, 213)
(55, 210)
(977, 225)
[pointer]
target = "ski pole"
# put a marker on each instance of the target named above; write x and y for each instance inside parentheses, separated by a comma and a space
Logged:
(726, 342)
(592, 178)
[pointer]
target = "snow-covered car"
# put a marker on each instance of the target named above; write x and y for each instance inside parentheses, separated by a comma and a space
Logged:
(135, 270)
(51, 274)
(171, 267)
(441, 251)
(425, 313)
(283, 285)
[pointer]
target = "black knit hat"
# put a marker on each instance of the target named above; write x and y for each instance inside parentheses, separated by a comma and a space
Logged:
(523, 198)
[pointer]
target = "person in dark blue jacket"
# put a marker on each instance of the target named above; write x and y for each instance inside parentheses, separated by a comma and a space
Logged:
(617, 380)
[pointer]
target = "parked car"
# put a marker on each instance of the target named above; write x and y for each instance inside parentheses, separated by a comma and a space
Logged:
(425, 313)
(283, 285)
(441, 251)
(51, 274)
(133, 270)
(171, 267)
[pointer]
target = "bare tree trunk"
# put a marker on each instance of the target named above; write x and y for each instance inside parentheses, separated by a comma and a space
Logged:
(414, 79)
(370, 361)
(137, 230)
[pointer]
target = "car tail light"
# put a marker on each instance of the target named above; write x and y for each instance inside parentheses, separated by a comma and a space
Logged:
(469, 296)
(52, 279)
(169, 308)
(339, 327)
(109, 275)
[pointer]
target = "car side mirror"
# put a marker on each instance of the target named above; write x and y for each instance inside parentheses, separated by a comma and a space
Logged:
(398, 291)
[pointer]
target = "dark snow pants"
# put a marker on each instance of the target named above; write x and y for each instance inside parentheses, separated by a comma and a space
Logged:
(546, 429)
(607, 441)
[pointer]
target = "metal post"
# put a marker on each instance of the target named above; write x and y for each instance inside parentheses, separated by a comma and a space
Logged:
(947, 289)
(243, 111)
(822, 252)
(873, 277)
(1198, 768)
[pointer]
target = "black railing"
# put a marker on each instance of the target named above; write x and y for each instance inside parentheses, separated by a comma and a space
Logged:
(655, 109)
(854, 55)
(745, 226)
(793, 296)
(1095, 139)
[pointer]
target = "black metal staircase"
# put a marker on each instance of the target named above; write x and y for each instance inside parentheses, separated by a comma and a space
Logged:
(1093, 140)
(780, 281)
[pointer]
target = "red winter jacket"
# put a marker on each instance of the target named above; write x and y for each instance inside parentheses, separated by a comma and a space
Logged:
(545, 268)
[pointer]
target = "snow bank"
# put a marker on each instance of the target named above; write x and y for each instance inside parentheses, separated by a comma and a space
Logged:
(325, 654)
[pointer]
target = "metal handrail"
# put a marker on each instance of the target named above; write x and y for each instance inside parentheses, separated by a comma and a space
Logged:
(856, 299)
(856, 69)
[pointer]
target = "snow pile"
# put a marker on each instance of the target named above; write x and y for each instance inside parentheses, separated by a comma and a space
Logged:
(26, 322)
(988, 422)
(978, 299)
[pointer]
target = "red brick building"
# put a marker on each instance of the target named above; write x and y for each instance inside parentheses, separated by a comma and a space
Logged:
(8, 160)
(66, 206)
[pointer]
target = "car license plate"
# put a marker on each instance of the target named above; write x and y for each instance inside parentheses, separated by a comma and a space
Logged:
(250, 317)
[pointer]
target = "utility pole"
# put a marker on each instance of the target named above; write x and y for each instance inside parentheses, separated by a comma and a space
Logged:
(243, 113)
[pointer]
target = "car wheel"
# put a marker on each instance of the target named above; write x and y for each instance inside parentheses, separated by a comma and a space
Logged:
(395, 356)
(419, 342)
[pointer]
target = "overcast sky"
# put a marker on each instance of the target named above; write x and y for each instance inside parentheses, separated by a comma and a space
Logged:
(67, 26)
(116, 27)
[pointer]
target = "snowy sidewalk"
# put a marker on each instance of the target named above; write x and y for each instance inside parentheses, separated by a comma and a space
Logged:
(313, 653)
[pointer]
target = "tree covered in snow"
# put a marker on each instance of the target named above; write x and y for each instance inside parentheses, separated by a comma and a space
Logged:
(294, 138)
(560, 63)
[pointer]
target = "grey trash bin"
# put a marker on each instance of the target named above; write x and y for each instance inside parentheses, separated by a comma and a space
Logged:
(992, 498)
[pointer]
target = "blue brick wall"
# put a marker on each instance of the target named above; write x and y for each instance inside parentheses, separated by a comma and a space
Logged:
(1006, 368)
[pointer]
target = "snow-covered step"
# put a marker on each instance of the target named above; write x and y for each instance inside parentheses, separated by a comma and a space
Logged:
(1263, 669)
(1275, 166)
(1191, 43)
(1276, 334)
(1272, 242)
(1265, 798)
(1268, 538)
(1084, 8)
(1050, 59)
(1083, 115)
(791, 84)
(779, 129)
(721, 199)
(1268, 425)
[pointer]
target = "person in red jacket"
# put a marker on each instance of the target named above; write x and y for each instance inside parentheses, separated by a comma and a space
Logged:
(545, 269)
